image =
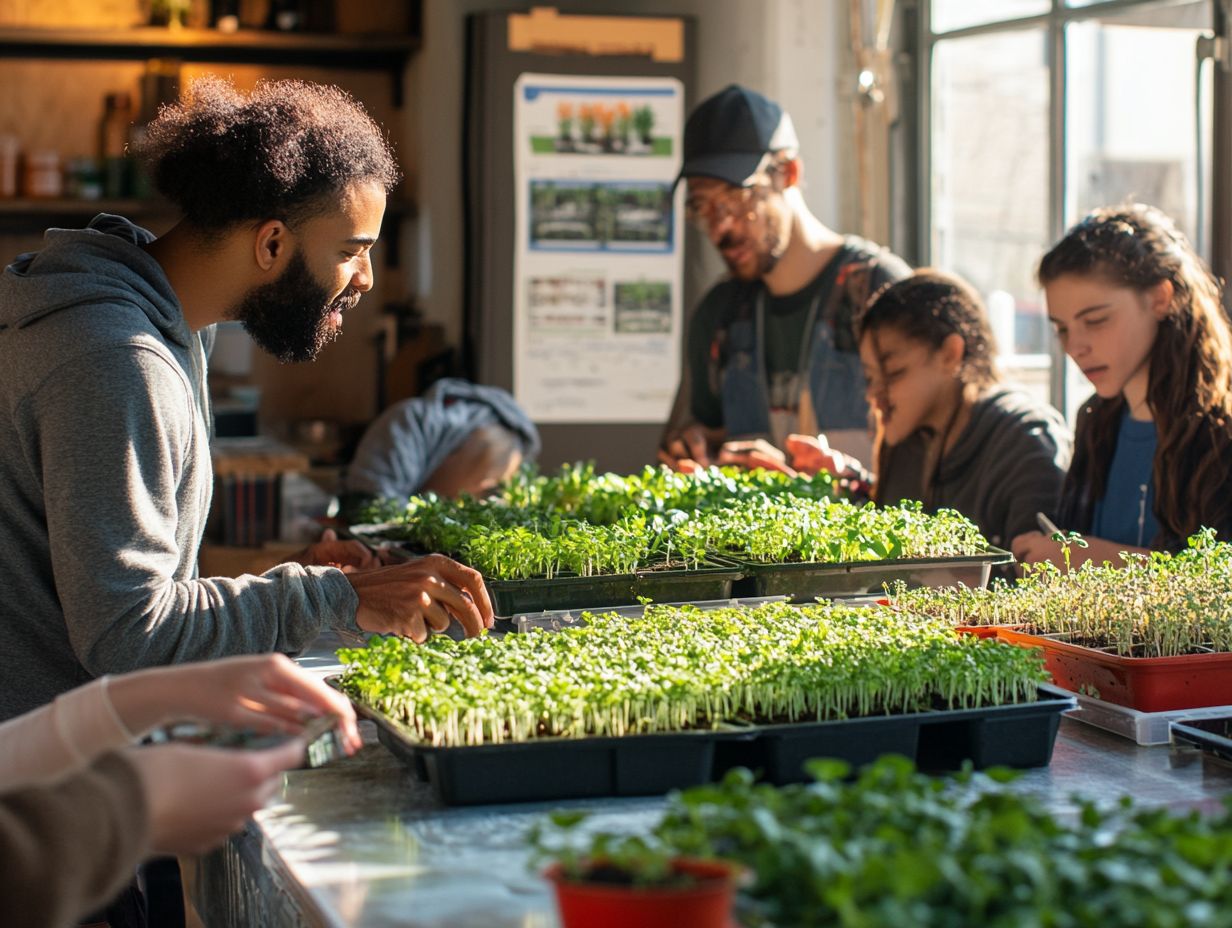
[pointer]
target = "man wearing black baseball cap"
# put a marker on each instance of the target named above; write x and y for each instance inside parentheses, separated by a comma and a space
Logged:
(771, 349)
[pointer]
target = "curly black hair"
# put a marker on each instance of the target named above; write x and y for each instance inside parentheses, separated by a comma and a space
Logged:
(282, 152)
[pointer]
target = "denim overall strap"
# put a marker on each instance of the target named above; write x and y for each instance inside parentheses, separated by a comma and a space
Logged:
(745, 390)
(836, 377)
(742, 384)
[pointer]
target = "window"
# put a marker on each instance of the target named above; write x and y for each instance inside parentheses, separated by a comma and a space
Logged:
(1035, 112)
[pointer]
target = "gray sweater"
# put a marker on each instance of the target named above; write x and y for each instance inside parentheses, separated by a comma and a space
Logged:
(1006, 466)
(105, 481)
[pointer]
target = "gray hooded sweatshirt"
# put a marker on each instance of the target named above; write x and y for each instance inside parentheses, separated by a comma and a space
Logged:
(105, 481)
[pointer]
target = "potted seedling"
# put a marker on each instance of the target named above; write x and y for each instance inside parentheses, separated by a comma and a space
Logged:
(623, 881)
(894, 848)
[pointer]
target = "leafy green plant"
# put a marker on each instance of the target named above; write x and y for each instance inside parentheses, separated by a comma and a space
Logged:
(895, 847)
(631, 859)
(680, 668)
(1156, 605)
(585, 523)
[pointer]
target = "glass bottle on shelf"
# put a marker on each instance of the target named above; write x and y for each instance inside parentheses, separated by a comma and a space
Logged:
(112, 144)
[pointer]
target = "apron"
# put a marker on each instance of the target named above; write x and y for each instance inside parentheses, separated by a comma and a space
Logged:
(825, 393)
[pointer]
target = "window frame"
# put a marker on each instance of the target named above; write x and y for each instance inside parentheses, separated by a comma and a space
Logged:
(918, 144)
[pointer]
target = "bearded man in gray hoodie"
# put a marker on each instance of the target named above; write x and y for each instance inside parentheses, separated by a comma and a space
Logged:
(105, 474)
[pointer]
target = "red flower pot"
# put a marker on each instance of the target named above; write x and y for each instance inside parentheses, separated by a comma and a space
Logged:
(704, 903)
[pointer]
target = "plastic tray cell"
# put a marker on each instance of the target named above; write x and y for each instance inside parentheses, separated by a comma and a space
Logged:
(712, 581)
(805, 582)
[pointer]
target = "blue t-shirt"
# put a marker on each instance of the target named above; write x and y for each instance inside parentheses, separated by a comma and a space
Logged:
(1126, 513)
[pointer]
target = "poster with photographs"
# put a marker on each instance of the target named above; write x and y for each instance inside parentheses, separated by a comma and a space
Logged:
(598, 268)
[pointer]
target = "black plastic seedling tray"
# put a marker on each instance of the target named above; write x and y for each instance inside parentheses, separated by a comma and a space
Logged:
(808, 581)
(1211, 736)
(552, 769)
(713, 581)
(1018, 735)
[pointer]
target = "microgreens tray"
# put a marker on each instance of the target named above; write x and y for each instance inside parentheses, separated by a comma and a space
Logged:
(556, 769)
(1017, 735)
(713, 580)
(860, 578)
(1014, 735)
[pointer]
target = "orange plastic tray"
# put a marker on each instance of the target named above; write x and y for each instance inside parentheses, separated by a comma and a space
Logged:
(1148, 684)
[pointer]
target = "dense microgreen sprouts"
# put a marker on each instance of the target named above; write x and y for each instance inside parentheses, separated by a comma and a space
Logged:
(1156, 605)
(777, 531)
(894, 847)
(679, 668)
(582, 523)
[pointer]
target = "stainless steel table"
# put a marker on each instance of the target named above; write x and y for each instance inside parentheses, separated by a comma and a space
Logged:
(362, 843)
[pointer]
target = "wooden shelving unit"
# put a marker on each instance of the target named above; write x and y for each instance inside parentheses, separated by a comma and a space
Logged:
(249, 46)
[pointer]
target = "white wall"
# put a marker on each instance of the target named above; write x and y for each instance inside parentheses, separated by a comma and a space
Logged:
(791, 50)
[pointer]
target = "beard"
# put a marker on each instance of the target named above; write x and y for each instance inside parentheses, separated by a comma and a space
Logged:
(291, 317)
(765, 252)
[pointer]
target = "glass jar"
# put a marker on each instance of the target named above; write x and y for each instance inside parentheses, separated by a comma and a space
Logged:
(44, 178)
(10, 149)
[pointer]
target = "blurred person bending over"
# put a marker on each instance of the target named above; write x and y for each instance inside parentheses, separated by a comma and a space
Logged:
(457, 438)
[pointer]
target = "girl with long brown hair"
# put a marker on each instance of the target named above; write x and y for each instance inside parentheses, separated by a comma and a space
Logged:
(1139, 312)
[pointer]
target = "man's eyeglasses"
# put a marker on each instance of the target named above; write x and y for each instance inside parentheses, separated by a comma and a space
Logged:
(740, 203)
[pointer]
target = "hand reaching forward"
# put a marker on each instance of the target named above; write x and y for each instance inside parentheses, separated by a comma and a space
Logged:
(331, 552)
(421, 596)
(197, 796)
(688, 450)
(755, 453)
(811, 454)
(263, 692)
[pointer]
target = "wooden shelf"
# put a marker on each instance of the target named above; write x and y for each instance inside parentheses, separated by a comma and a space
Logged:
(246, 46)
(254, 46)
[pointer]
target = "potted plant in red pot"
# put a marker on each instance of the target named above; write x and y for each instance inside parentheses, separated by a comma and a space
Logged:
(611, 881)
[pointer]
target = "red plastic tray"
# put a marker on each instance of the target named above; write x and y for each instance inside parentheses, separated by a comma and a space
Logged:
(1148, 684)
(983, 631)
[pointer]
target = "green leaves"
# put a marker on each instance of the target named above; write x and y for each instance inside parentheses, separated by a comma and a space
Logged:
(895, 847)
(679, 668)
(586, 524)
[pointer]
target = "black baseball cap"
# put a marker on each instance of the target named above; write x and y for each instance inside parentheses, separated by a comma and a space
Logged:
(729, 134)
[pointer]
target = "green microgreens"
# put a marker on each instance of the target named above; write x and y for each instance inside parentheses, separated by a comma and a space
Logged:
(588, 524)
(1156, 605)
(680, 668)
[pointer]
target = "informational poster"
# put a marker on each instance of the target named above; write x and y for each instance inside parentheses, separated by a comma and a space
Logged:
(598, 270)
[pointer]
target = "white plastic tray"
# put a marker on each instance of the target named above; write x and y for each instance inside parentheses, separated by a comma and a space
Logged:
(1145, 728)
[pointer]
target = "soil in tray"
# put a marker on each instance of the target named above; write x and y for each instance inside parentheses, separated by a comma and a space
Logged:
(1148, 684)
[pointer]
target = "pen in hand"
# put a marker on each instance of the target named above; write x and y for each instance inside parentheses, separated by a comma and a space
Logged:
(1047, 526)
